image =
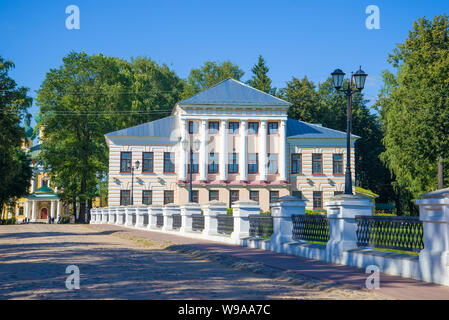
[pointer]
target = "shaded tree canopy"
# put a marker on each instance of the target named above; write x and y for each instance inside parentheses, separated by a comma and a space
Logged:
(260, 79)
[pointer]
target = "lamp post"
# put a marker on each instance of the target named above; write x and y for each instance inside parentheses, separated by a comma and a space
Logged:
(193, 147)
(358, 80)
(135, 167)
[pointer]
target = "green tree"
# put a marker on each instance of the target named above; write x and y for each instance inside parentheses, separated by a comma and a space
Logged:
(15, 171)
(414, 108)
(210, 74)
(260, 79)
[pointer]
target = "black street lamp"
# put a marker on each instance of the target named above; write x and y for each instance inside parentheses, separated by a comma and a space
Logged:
(135, 167)
(195, 146)
(358, 80)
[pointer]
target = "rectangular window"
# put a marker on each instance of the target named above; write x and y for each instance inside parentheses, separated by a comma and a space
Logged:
(169, 162)
(213, 195)
(193, 127)
(233, 164)
(125, 162)
(296, 163)
(317, 200)
(20, 211)
(233, 196)
(147, 162)
(272, 127)
(125, 197)
(274, 195)
(253, 163)
(169, 196)
(297, 194)
(213, 127)
(233, 127)
(338, 163)
(272, 163)
(147, 197)
(317, 163)
(254, 195)
(195, 196)
(253, 127)
(194, 160)
(213, 163)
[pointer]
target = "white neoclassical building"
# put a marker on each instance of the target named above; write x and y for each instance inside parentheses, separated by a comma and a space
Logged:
(230, 142)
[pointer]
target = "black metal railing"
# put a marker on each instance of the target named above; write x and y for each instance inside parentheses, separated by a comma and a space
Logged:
(159, 220)
(225, 223)
(399, 233)
(197, 222)
(260, 225)
(311, 228)
(176, 221)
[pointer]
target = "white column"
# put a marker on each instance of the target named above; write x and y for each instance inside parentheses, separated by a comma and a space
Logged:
(33, 212)
(241, 211)
(263, 150)
(183, 164)
(243, 150)
(52, 209)
(203, 151)
(282, 151)
(32, 184)
(27, 209)
(58, 210)
(211, 210)
(223, 152)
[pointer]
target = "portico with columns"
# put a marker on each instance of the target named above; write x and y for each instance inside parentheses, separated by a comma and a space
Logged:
(42, 204)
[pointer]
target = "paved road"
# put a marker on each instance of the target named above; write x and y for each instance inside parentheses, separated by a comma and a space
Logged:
(115, 265)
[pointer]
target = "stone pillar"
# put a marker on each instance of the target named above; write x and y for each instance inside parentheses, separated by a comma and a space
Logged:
(112, 215)
(434, 258)
(168, 211)
(243, 152)
(203, 151)
(223, 152)
(52, 209)
(33, 211)
(263, 164)
(241, 210)
(121, 213)
(58, 210)
(187, 211)
(211, 210)
(142, 217)
(105, 215)
(282, 151)
(93, 215)
(341, 212)
(27, 209)
(153, 211)
(182, 152)
(130, 216)
(282, 211)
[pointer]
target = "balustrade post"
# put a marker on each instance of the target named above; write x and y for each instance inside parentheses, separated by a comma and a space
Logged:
(434, 258)
(121, 214)
(341, 212)
(142, 217)
(130, 216)
(211, 210)
(112, 216)
(282, 211)
(241, 210)
(93, 215)
(153, 211)
(187, 211)
(99, 215)
(168, 211)
(104, 215)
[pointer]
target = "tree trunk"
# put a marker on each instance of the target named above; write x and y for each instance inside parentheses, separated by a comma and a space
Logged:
(440, 173)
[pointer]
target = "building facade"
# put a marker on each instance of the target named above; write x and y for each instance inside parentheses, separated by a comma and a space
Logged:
(230, 142)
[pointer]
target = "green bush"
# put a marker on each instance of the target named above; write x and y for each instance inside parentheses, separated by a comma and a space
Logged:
(229, 211)
(266, 212)
(10, 221)
(316, 212)
(65, 220)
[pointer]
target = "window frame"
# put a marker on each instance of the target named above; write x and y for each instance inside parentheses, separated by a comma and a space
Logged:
(253, 132)
(195, 196)
(293, 171)
(150, 197)
(321, 164)
(334, 162)
(196, 165)
(172, 159)
(215, 130)
(213, 164)
(231, 192)
(129, 161)
(122, 197)
(234, 163)
(166, 195)
(252, 198)
(234, 130)
(269, 129)
(193, 126)
(270, 161)
(218, 195)
(271, 196)
(251, 165)
(147, 160)
(314, 200)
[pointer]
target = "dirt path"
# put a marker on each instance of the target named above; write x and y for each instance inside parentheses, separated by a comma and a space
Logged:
(115, 265)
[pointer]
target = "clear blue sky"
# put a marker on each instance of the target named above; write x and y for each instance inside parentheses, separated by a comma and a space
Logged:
(296, 38)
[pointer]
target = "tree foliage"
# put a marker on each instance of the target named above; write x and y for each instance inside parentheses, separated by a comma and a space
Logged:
(209, 75)
(260, 79)
(15, 171)
(414, 106)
